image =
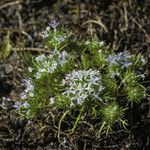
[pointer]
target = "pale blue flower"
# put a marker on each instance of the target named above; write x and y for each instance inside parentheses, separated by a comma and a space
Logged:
(23, 96)
(62, 58)
(82, 84)
(120, 59)
(53, 24)
(17, 105)
(29, 89)
(49, 63)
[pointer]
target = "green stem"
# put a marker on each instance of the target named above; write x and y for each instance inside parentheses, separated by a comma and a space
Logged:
(60, 122)
(76, 122)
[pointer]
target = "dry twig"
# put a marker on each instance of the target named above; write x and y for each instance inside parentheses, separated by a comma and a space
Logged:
(99, 22)
(32, 49)
(10, 4)
(140, 26)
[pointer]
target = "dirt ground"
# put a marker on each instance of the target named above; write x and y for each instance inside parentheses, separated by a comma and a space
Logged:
(123, 23)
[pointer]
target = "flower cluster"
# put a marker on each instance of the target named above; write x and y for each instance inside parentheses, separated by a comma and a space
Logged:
(55, 37)
(29, 89)
(83, 84)
(120, 59)
(53, 25)
(62, 58)
(48, 64)
(19, 104)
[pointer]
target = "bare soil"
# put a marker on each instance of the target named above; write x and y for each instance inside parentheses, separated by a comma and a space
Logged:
(124, 23)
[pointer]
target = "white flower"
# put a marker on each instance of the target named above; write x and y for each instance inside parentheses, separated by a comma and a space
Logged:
(38, 75)
(143, 60)
(47, 28)
(83, 84)
(31, 94)
(44, 34)
(53, 66)
(30, 69)
(101, 43)
(60, 38)
(87, 42)
(42, 70)
(52, 100)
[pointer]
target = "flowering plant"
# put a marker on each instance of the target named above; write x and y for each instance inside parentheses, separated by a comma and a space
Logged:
(85, 77)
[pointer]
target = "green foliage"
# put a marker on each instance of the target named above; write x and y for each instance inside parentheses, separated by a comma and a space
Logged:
(111, 114)
(82, 76)
(110, 85)
(135, 93)
(130, 78)
(99, 50)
